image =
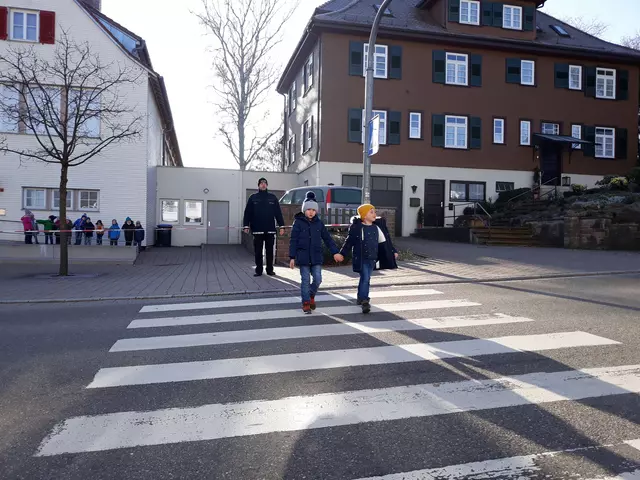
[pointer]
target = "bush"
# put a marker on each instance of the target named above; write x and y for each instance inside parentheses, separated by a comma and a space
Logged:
(468, 211)
(634, 175)
(619, 183)
(578, 189)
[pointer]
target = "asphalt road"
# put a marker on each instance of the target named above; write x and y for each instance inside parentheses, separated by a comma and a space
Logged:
(400, 393)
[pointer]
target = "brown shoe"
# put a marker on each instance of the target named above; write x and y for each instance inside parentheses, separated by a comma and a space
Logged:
(312, 303)
(306, 307)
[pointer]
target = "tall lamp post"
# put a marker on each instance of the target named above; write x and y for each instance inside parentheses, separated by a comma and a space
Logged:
(368, 102)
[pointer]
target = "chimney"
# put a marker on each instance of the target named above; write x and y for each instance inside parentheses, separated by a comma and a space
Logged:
(97, 4)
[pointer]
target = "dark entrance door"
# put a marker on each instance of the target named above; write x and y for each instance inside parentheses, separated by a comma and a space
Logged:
(551, 163)
(434, 203)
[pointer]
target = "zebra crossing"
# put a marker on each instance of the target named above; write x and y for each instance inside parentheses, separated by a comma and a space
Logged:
(386, 339)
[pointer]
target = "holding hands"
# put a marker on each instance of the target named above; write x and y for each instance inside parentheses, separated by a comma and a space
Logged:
(338, 258)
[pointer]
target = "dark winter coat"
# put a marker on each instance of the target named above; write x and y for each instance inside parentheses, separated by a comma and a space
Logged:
(128, 229)
(139, 235)
(262, 212)
(307, 236)
(353, 243)
(89, 227)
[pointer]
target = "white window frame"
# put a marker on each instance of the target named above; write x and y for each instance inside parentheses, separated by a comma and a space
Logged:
(379, 52)
(383, 125)
(469, 19)
(307, 135)
(162, 211)
(308, 73)
(457, 65)
(12, 13)
(601, 138)
(511, 9)
(89, 208)
(456, 132)
(40, 128)
(498, 190)
(293, 97)
(55, 202)
(555, 128)
(576, 132)
(292, 149)
(184, 213)
(533, 72)
(573, 86)
(602, 75)
(526, 125)
(498, 137)
(42, 206)
(10, 98)
(415, 117)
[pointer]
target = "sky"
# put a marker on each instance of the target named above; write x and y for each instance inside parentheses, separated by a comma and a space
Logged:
(180, 52)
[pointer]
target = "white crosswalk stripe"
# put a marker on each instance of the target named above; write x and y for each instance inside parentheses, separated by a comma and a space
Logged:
(344, 406)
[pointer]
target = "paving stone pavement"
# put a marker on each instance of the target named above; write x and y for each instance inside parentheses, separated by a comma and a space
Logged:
(212, 270)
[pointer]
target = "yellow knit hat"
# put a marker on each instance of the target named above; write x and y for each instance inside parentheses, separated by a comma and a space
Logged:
(364, 209)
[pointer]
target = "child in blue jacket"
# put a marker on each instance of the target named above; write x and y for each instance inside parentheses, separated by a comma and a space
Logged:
(114, 233)
(305, 249)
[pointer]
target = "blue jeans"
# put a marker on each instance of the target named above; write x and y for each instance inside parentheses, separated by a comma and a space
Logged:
(365, 279)
(308, 289)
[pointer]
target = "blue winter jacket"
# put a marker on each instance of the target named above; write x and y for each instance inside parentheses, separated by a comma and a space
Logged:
(307, 236)
(353, 243)
(114, 232)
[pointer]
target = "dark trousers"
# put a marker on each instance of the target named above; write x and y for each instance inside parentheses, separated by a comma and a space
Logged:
(28, 238)
(266, 239)
(48, 238)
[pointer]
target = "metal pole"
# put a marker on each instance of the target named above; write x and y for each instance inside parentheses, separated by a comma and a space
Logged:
(368, 103)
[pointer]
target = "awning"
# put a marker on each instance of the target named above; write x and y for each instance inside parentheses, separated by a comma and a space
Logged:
(539, 138)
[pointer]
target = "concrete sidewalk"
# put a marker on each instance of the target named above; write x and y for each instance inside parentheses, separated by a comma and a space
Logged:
(225, 270)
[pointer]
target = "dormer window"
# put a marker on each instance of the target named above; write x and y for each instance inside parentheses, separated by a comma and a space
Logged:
(560, 30)
(470, 12)
(512, 17)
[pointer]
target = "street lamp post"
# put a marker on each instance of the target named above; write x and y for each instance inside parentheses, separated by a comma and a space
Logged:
(368, 102)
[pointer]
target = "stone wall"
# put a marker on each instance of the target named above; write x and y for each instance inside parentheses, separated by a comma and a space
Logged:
(600, 234)
(549, 234)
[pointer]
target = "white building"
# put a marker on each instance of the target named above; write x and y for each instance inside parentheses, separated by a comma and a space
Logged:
(120, 182)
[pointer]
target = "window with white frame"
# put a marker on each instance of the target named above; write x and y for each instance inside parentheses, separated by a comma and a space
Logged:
(470, 12)
(307, 135)
(380, 60)
(85, 105)
(55, 199)
(9, 109)
(193, 212)
(169, 210)
(466, 191)
(457, 68)
(576, 132)
(308, 73)
(24, 25)
(550, 128)
(498, 130)
(415, 125)
(525, 132)
(34, 198)
(455, 132)
(512, 17)
(293, 94)
(383, 125)
(605, 142)
(575, 77)
(292, 149)
(606, 83)
(43, 110)
(504, 186)
(527, 72)
(89, 199)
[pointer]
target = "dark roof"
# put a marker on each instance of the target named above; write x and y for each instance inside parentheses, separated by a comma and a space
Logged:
(136, 47)
(409, 21)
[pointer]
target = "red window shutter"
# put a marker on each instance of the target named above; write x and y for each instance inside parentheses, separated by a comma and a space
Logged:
(48, 27)
(4, 23)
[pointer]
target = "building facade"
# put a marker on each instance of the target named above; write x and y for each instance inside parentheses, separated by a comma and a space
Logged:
(120, 182)
(472, 96)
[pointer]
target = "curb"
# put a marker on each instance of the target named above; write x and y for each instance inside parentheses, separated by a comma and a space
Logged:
(328, 289)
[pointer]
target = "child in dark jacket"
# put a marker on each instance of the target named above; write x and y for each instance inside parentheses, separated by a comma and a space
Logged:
(138, 236)
(305, 249)
(370, 242)
(128, 228)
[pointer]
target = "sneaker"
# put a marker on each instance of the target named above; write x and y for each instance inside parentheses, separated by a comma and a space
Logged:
(366, 306)
(312, 304)
(306, 307)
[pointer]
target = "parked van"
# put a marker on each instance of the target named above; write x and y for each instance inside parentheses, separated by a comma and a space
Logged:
(327, 196)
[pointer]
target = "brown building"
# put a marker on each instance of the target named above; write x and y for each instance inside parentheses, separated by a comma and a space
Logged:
(472, 97)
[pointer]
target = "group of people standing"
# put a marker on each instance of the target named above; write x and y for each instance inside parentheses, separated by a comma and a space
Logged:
(82, 230)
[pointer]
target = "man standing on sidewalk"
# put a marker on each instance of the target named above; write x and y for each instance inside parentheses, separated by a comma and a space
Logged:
(260, 217)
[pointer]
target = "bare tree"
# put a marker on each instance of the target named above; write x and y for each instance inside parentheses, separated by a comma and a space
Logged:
(632, 41)
(591, 26)
(270, 158)
(72, 107)
(245, 33)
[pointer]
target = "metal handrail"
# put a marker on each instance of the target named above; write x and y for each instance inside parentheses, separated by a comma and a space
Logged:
(530, 190)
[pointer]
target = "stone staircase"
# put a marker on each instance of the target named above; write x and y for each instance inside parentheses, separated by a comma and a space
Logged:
(506, 236)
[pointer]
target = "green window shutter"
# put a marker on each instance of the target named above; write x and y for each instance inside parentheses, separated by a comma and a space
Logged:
(513, 70)
(475, 126)
(394, 128)
(356, 61)
(622, 143)
(529, 14)
(437, 130)
(355, 125)
(562, 75)
(395, 70)
(622, 87)
(497, 14)
(454, 10)
(476, 70)
(487, 14)
(439, 66)
(589, 136)
(590, 82)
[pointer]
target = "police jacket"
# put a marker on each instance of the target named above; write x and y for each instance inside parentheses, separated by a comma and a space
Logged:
(262, 212)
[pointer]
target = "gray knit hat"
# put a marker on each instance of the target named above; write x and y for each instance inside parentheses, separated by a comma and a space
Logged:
(310, 202)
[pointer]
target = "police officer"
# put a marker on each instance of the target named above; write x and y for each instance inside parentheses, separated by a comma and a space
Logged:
(260, 217)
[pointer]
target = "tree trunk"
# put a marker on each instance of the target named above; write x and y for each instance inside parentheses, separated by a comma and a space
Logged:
(64, 234)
